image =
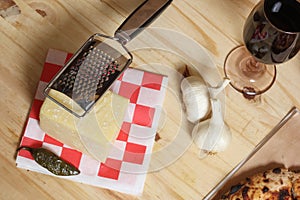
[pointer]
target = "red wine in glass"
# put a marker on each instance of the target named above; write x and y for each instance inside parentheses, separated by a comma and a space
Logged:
(271, 36)
(272, 31)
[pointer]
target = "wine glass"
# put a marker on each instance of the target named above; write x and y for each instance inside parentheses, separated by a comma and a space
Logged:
(271, 36)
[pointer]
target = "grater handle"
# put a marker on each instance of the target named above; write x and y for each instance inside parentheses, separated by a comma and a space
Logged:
(141, 17)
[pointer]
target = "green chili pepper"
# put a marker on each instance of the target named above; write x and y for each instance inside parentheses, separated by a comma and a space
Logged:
(51, 162)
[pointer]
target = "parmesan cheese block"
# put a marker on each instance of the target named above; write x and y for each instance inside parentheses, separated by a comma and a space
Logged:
(92, 134)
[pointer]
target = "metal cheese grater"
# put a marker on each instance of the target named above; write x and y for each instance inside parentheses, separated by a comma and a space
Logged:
(101, 60)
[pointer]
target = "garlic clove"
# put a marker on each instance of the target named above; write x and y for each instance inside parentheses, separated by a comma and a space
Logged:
(195, 97)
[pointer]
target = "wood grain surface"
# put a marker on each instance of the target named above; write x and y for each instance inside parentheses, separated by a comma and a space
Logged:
(65, 24)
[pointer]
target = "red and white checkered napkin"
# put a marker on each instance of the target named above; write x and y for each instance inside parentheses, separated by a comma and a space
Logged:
(126, 166)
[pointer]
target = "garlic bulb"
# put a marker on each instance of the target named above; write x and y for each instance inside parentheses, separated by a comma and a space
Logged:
(201, 134)
(212, 135)
(195, 97)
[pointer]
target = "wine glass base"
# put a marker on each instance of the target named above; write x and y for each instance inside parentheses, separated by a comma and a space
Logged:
(246, 75)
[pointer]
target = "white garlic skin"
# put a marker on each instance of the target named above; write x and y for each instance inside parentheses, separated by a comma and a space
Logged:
(200, 132)
(196, 98)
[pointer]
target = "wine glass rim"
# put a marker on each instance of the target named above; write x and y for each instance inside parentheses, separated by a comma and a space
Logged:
(275, 27)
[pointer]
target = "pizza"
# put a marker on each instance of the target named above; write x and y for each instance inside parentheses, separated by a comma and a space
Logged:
(273, 184)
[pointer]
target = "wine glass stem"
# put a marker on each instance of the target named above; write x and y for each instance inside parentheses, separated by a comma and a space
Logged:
(251, 68)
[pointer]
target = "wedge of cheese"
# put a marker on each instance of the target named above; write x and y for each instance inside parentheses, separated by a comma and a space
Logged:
(92, 134)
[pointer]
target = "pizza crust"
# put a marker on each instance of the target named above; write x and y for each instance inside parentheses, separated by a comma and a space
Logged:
(278, 183)
(296, 185)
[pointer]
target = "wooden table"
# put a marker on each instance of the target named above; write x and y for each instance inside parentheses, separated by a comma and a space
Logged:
(65, 25)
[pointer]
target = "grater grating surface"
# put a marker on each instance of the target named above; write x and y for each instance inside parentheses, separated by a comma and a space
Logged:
(87, 76)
